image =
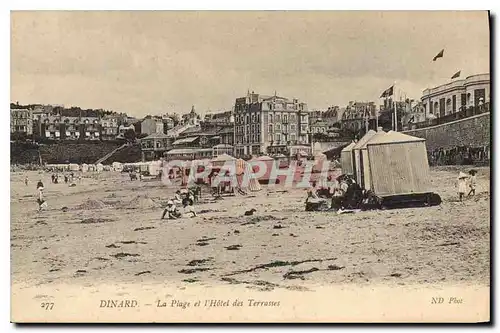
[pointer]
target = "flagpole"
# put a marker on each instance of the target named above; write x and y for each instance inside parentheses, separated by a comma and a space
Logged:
(395, 109)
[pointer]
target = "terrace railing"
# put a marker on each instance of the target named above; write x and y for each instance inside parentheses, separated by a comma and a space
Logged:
(464, 113)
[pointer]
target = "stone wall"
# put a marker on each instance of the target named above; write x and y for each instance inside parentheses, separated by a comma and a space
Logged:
(471, 132)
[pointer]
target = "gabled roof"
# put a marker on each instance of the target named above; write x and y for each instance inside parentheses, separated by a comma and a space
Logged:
(394, 137)
(364, 139)
(349, 147)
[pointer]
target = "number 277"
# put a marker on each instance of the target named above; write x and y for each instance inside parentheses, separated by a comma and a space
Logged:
(47, 306)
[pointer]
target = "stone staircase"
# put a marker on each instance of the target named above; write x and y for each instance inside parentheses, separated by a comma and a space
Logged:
(108, 155)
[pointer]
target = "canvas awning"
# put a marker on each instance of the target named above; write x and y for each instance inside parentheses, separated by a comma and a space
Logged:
(185, 140)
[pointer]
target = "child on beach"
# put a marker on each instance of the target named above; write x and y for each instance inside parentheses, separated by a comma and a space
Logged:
(41, 202)
(462, 185)
(472, 182)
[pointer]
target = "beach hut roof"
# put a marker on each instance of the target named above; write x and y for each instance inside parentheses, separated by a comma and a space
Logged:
(349, 147)
(394, 137)
(279, 156)
(374, 137)
(364, 139)
(223, 157)
(262, 158)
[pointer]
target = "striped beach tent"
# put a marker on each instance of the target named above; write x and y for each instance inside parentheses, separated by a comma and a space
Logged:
(243, 175)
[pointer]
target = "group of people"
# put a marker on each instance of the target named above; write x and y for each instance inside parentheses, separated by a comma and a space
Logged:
(466, 182)
(68, 178)
(345, 193)
(186, 198)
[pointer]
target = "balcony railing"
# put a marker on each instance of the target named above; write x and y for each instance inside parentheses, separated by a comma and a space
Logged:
(468, 112)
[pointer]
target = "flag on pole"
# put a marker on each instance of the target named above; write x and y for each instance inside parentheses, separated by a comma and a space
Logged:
(388, 92)
(457, 74)
(439, 55)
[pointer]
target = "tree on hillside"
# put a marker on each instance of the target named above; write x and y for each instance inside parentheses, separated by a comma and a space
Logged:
(129, 135)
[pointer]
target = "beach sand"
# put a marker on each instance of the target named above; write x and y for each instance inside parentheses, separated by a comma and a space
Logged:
(111, 237)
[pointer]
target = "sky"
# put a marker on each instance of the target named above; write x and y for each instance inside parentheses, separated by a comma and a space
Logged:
(157, 62)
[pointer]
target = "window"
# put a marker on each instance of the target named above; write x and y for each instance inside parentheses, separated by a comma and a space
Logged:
(270, 106)
(248, 129)
(270, 118)
(247, 119)
(278, 118)
(292, 127)
(253, 117)
(253, 128)
(292, 137)
(278, 127)
(269, 137)
(270, 128)
(278, 137)
(258, 117)
(285, 118)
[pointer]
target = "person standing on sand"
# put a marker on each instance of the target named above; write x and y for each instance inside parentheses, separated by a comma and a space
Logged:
(26, 180)
(472, 182)
(39, 185)
(41, 202)
(462, 185)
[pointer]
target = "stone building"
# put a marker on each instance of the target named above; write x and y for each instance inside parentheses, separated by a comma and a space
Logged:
(21, 121)
(452, 97)
(269, 124)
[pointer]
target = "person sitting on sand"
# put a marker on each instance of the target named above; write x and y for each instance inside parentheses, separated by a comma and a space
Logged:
(472, 182)
(177, 197)
(462, 185)
(188, 204)
(171, 211)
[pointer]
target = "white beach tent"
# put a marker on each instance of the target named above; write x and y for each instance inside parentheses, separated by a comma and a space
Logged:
(74, 167)
(356, 152)
(398, 165)
(117, 166)
(347, 159)
(85, 167)
(220, 160)
(99, 167)
(362, 160)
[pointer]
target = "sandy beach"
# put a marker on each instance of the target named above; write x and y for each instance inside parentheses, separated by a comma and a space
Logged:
(110, 233)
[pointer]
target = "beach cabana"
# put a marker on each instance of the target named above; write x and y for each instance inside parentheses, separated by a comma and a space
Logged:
(398, 165)
(347, 159)
(356, 152)
(362, 166)
(222, 159)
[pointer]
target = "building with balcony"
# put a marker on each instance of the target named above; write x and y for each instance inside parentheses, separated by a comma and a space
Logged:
(70, 128)
(21, 121)
(269, 124)
(109, 128)
(456, 95)
(154, 146)
(90, 128)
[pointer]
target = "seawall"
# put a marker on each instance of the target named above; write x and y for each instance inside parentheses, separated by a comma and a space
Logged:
(473, 132)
